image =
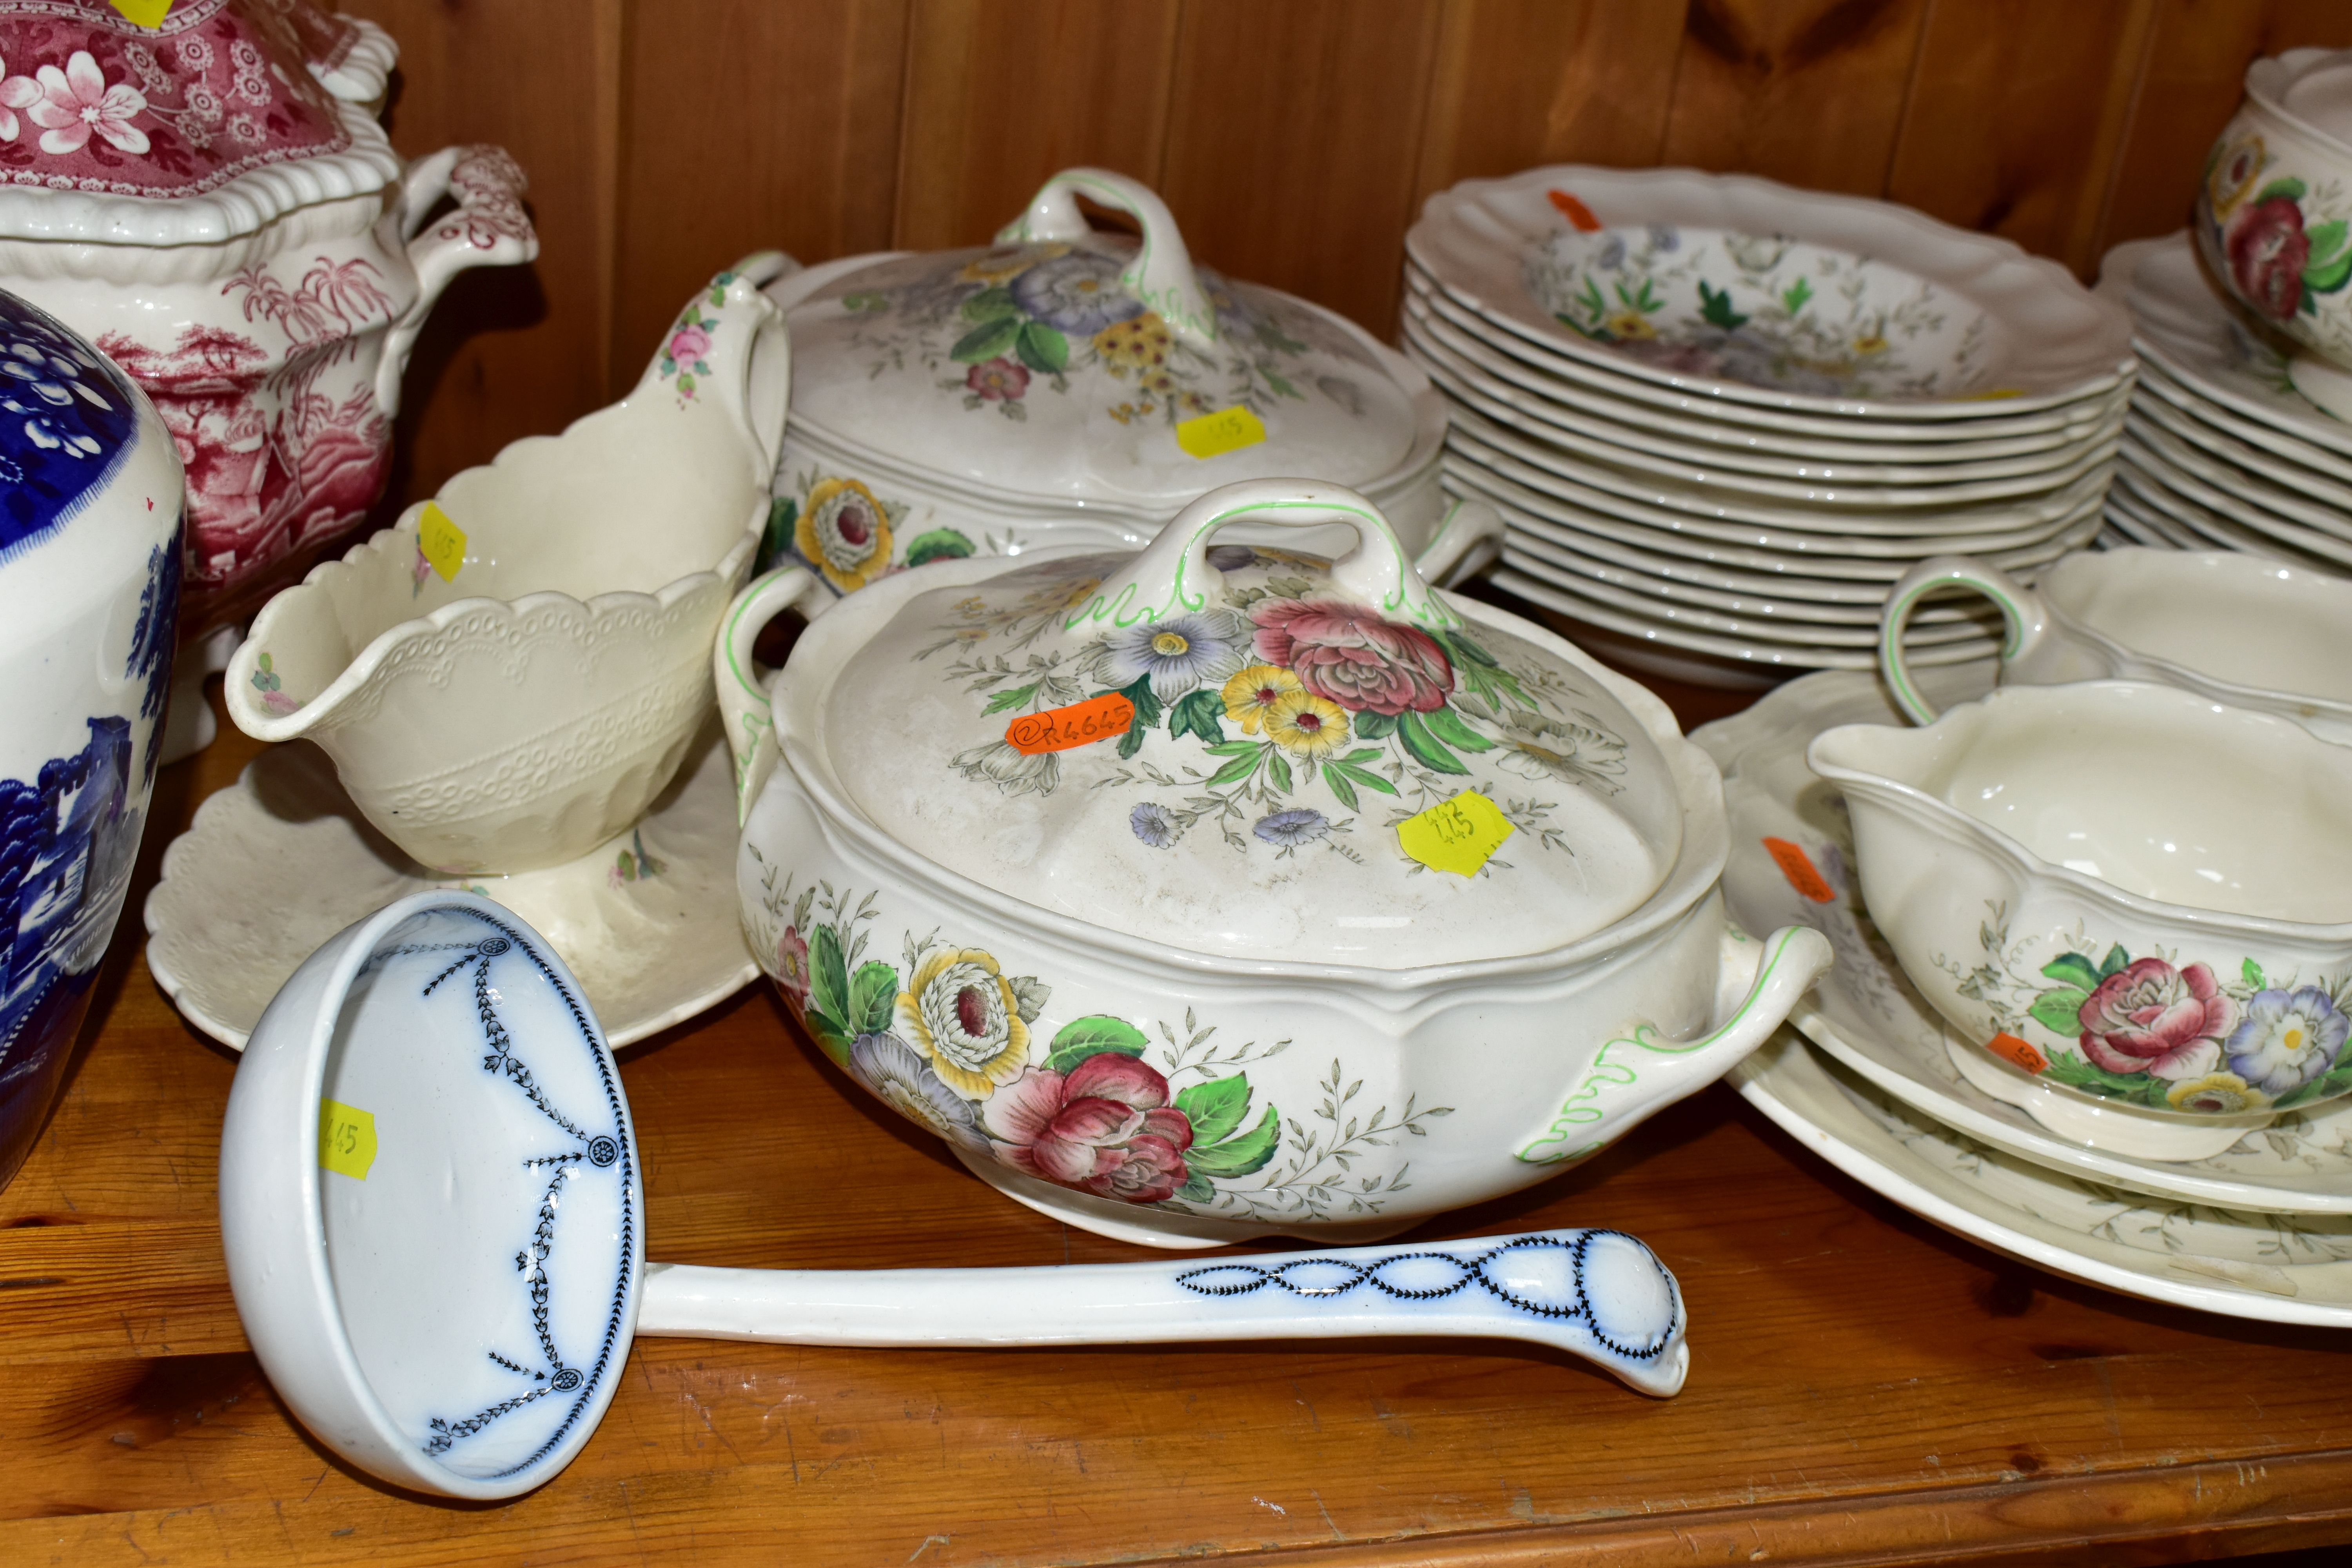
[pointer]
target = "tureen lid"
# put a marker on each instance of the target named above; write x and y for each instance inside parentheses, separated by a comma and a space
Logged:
(216, 120)
(1070, 364)
(1243, 751)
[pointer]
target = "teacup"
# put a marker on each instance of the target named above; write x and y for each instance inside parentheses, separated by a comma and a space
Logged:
(507, 676)
(2237, 628)
(2129, 896)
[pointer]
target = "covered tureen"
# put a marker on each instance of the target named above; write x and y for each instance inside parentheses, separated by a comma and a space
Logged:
(1219, 890)
(1068, 385)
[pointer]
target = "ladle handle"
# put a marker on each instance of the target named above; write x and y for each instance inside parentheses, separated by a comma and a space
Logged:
(1599, 1294)
(2026, 616)
(743, 706)
(1161, 274)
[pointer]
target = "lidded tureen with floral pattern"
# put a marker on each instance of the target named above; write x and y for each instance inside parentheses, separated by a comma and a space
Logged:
(1221, 889)
(1069, 384)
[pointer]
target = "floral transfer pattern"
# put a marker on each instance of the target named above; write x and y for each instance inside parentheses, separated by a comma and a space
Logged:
(1098, 1104)
(1020, 320)
(1282, 712)
(1761, 310)
(848, 535)
(2156, 1031)
(2282, 242)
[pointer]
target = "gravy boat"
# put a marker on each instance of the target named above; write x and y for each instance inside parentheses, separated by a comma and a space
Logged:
(2234, 627)
(509, 676)
(2132, 904)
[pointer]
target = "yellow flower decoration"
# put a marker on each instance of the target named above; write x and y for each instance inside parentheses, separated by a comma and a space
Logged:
(1139, 342)
(1251, 692)
(1302, 722)
(844, 532)
(1870, 343)
(1007, 262)
(2235, 169)
(1629, 324)
(2216, 1094)
(959, 1011)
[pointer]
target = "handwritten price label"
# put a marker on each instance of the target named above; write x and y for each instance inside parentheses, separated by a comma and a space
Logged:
(1456, 835)
(1799, 867)
(441, 542)
(1079, 724)
(346, 1140)
(1226, 430)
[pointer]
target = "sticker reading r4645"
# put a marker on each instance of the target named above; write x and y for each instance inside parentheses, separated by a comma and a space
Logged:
(346, 1140)
(1079, 724)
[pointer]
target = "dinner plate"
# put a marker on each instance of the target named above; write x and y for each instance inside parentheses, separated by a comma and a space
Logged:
(2219, 515)
(1867, 1016)
(2249, 489)
(1756, 292)
(2290, 454)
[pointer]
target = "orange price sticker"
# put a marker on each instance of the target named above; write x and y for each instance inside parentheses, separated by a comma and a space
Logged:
(2009, 1047)
(1798, 867)
(1079, 724)
(1575, 212)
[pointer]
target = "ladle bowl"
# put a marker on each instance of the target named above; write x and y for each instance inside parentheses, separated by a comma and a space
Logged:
(434, 1214)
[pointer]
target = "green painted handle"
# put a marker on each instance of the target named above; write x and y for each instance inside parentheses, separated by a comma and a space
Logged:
(1635, 1075)
(2028, 620)
(744, 702)
(1161, 275)
(1172, 576)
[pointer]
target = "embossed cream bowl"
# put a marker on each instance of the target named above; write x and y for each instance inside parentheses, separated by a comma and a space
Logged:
(2118, 893)
(1217, 890)
(508, 676)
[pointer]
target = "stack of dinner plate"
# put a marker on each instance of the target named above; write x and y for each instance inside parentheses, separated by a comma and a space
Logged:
(1721, 416)
(2218, 448)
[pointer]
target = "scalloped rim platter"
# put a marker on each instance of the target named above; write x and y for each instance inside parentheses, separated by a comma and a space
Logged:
(2063, 343)
(1865, 1014)
(280, 861)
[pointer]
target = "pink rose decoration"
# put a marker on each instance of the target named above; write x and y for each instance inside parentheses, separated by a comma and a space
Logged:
(2150, 1017)
(1347, 654)
(2267, 251)
(793, 967)
(1104, 1128)
(998, 379)
(688, 344)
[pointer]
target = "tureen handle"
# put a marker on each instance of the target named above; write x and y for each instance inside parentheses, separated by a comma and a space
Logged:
(1161, 275)
(489, 229)
(1599, 1294)
(2027, 616)
(1634, 1074)
(1174, 575)
(742, 699)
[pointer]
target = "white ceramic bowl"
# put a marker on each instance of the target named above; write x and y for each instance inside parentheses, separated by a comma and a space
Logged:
(1187, 1006)
(2121, 890)
(520, 710)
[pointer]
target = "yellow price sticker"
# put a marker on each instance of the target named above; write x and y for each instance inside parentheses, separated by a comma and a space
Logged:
(1226, 430)
(346, 1140)
(142, 13)
(1455, 835)
(441, 542)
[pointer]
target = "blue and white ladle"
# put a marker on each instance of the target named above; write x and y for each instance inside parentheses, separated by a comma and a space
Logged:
(434, 1221)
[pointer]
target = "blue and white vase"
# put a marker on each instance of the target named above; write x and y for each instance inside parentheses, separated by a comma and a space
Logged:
(90, 541)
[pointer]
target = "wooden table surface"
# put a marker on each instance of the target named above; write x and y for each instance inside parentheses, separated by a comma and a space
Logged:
(1864, 1387)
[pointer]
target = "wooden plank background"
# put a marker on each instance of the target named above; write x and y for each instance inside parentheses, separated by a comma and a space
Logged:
(1295, 140)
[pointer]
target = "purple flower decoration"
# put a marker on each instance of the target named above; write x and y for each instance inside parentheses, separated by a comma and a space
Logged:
(1178, 653)
(1152, 825)
(2287, 1039)
(1292, 829)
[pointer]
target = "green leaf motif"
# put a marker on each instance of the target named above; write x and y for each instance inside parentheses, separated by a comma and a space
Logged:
(1043, 349)
(1714, 307)
(2328, 278)
(2079, 1072)
(1371, 726)
(2252, 974)
(1795, 297)
(1011, 697)
(1215, 1108)
(1147, 706)
(2060, 1012)
(938, 544)
(2327, 239)
(1277, 770)
(1091, 1037)
(1423, 747)
(1200, 713)
(1464, 651)
(1447, 726)
(2114, 962)
(1196, 1189)
(831, 1037)
(991, 305)
(985, 341)
(1240, 767)
(2072, 968)
(2290, 187)
(828, 976)
(1355, 775)
(1238, 1156)
(873, 993)
(1341, 790)
(1132, 741)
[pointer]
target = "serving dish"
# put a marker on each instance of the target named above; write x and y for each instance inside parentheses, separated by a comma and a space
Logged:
(2169, 950)
(2241, 630)
(90, 569)
(507, 676)
(1080, 925)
